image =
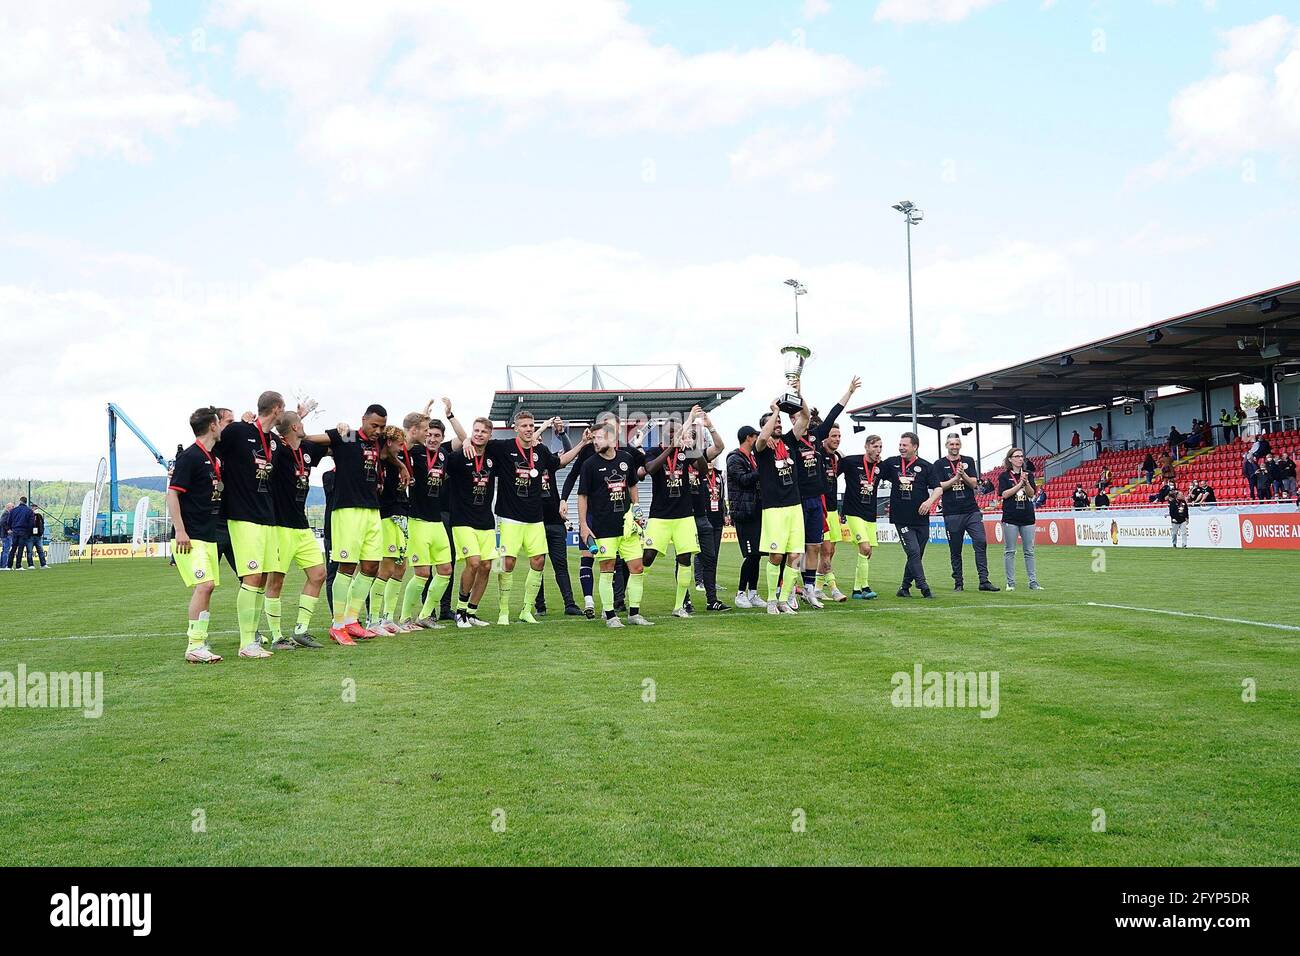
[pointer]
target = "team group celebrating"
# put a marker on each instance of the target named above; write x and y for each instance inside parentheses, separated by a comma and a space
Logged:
(403, 498)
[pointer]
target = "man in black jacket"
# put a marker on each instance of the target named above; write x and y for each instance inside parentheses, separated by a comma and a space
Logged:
(746, 515)
(957, 476)
(1178, 523)
(554, 516)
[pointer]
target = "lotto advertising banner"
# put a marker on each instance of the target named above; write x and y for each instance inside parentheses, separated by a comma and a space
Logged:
(157, 549)
(1153, 531)
(1270, 531)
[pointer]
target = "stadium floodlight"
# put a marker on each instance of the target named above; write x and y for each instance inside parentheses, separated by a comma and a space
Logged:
(912, 216)
(1269, 304)
(1067, 361)
(1154, 336)
(1271, 351)
(799, 289)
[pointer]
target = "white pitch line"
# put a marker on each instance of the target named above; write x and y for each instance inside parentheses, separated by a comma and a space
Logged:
(96, 637)
(1206, 617)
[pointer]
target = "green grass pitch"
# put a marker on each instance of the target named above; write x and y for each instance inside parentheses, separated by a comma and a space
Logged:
(757, 723)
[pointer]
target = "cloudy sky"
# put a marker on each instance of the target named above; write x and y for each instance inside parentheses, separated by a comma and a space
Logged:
(392, 200)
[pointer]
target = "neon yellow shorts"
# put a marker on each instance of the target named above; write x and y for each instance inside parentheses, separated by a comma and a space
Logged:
(296, 546)
(394, 537)
(681, 533)
(256, 547)
(626, 546)
(523, 540)
(861, 530)
(427, 543)
(470, 541)
(200, 565)
(782, 531)
(834, 530)
(356, 534)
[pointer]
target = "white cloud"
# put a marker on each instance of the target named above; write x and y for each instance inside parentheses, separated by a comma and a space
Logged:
(88, 79)
(580, 63)
(928, 11)
(1249, 104)
(793, 156)
(449, 323)
(815, 8)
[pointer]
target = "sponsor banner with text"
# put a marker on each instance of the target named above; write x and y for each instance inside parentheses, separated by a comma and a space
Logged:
(1154, 531)
(156, 549)
(1270, 531)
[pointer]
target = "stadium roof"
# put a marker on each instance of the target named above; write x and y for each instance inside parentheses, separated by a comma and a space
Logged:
(1219, 344)
(584, 404)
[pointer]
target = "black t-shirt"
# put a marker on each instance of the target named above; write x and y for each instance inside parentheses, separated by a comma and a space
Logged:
(808, 464)
(961, 499)
(778, 473)
(911, 486)
(706, 491)
(395, 500)
(1080, 499)
(197, 481)
(1019, 508)
(672, 484)
(523, 482)
(246, 454)
(606, 484)
(428, 478)
(358, 475)
(470, 480)
(1178, 510)
(830, 464)
(861, 480)
(551, 488)
(291, 480)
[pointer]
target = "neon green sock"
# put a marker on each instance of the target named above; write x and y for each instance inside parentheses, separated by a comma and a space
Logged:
(376, 594)
(864, 569)
(607, 591)
(773, 575)
(819, 580)
(411, 597)
(357, 594)
(342, 591)
(272, 607)
(685, 578)
(246, 612)
(829, 578)
(532, 584)
(306, 608)
(635, 588)
(195, 634)
(392, 589)
(436, 591)
(202, 622)
(505, 584)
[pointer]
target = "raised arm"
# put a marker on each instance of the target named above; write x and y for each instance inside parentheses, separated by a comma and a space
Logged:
(658, 462)
(800, 424)
(828, 422)
(455, 425)
(765, 434)
(715, 449)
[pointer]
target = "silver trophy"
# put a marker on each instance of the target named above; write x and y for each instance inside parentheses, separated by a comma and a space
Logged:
(794, 357)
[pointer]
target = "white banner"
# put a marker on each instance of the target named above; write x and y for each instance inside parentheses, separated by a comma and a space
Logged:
(141, 521)
(1154, 530)
(87, 516)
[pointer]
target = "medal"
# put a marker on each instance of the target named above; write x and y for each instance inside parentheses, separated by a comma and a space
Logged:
(532, 473)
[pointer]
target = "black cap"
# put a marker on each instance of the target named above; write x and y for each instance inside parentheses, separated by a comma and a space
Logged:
(745, 432)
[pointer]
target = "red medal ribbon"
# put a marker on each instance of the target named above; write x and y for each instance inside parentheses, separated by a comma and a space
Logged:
(214, 462)
(528, 457)
(300, 463)
(266, 446)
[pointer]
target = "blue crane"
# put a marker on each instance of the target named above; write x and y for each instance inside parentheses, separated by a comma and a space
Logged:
(114, 413)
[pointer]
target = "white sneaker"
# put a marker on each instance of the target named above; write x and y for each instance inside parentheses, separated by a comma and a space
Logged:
(699, 587)
(613, 622)
(1037, 587)
(1009, 587)
(429, 623)
(406, 627)
(254, 651)
(202, 655)
(814, 598)
(785, 609)
(793, 603)
(757, 602)
(773, 608)
(742, 600)
(682, 613)
(463, 621)
(640, 620)
(838, 596)
(478, 622)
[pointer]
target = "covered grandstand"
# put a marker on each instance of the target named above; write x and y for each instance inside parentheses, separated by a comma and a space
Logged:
(1135, 385)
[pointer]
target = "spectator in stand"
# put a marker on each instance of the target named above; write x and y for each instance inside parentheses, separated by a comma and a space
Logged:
(1263, 482)
(1074, 439)
(1080, 498)
(1167, 470)
(1016, 487)
(1275, 484)
(1287, 469)
(1149, 468)
(1040, 499)
(1175, 442)
(1260, 449)
(38, 532)
(1177, 517)
(1105, 483)
(1097, 432)
(6, 533)
(1163, 494)
(1248, 469)
(1228, 422)
(1238, 420)
(20, 526)
(1102, 501)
